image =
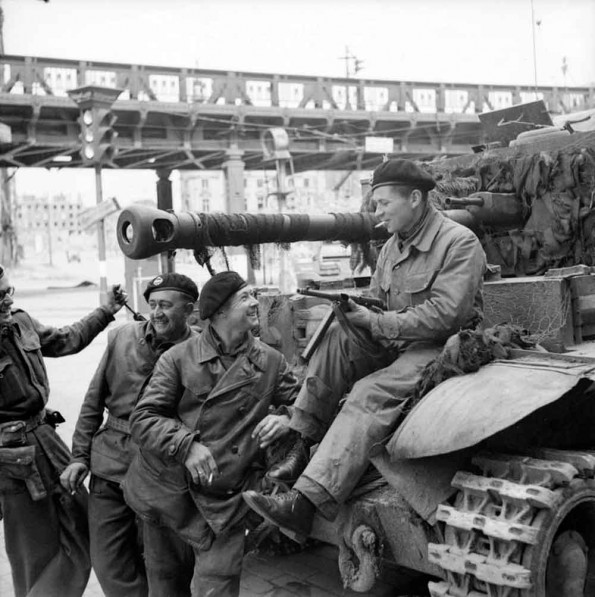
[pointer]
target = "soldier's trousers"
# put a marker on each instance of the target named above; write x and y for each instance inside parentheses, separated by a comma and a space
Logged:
(377, 389)
(47, 539)
(116, 552)
(217, 571)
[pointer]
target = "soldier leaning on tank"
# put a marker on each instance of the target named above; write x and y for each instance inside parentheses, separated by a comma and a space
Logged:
(430, 274)
(45, 527)
(203, 422)
(106, 448)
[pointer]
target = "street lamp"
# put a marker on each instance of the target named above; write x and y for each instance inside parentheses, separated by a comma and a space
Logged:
(98, 147)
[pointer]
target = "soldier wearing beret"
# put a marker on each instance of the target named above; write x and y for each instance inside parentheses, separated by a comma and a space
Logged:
(102, 444)
(202, 424)
(430, 275)
(45, 527)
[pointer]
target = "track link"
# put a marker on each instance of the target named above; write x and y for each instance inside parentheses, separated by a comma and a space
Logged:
(497, 516)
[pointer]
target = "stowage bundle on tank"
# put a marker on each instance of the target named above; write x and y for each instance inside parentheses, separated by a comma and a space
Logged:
(555, 191)
(532, 210)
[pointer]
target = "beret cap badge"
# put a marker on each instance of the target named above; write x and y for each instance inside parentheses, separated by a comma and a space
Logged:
(172, 281)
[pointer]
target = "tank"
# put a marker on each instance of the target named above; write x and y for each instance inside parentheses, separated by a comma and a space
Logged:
(487, 488)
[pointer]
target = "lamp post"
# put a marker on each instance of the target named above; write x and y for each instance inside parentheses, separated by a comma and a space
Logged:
(98, 147)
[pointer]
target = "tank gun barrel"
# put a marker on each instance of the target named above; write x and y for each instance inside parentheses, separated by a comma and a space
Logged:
(145, 231)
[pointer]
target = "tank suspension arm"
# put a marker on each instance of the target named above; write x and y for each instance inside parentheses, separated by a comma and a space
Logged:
(144, 231)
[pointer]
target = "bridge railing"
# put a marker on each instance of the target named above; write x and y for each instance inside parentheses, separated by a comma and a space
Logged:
(54, 77)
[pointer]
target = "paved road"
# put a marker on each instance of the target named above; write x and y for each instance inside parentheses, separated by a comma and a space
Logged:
(312, 573)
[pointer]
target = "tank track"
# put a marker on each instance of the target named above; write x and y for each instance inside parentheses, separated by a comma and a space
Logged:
(498, 518)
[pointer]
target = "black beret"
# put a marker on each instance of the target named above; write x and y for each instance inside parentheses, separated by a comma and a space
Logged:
(405, 172)
(217, 290)
(172, 281)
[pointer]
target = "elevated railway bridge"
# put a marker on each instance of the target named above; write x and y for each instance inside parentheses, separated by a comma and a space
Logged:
(183, 118)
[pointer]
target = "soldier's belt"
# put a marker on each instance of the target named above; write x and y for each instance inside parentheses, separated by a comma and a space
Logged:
(14, 433)
(117, 424)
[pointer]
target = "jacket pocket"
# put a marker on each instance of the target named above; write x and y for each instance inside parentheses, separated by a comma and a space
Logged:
(418, 286)
(30, 341)
(19, 472)
(152, 490)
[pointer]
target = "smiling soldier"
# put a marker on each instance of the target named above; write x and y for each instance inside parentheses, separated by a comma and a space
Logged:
(105, 447)
(202, 424)
(430, 275)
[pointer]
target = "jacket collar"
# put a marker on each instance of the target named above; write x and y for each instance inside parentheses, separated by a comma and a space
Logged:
(422, 240)
(207, 349)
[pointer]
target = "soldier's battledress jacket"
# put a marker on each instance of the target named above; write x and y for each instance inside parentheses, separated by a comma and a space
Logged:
(125, 366)
(24, 385)
(199, 393)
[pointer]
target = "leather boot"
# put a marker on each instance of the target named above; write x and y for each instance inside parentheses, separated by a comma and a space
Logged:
(292, 512)
(287, 471)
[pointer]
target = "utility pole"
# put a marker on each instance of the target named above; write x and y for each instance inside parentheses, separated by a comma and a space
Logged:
(533, 23)
(347, 58)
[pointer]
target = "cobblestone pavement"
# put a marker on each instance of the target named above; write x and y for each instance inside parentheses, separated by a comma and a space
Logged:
(311, 573)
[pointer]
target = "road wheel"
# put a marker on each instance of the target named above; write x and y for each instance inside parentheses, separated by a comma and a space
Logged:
(523, 527)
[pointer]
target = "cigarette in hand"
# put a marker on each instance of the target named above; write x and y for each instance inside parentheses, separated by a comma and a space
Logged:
(210, 478)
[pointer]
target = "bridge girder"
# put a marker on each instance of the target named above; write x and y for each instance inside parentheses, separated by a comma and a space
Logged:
(185, 136)
(209, 111)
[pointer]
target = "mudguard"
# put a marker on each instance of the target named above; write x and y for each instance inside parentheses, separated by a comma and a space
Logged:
(464, 410)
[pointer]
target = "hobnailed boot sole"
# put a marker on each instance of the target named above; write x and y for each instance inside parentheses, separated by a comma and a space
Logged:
(293, 535)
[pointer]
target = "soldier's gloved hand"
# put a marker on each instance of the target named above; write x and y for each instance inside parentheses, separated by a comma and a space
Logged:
(72, 477)
(358, 315)
(271, 428)
(200, 464)
(116, 297)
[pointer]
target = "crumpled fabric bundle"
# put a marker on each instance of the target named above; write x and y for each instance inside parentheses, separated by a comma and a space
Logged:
(467, 351)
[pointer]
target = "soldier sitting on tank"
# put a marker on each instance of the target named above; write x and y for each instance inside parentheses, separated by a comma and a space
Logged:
(430, 274)
(206, 416)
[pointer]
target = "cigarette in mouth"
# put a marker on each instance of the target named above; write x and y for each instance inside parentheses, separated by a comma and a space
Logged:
(379, 225)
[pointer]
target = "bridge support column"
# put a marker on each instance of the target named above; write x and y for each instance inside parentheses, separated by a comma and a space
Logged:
(235, 200)
(165, 202)
(233, 168)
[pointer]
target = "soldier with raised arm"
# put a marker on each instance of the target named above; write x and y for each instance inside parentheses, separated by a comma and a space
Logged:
(45, 527)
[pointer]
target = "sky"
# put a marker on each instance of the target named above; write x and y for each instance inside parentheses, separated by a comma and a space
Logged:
(463, 41)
